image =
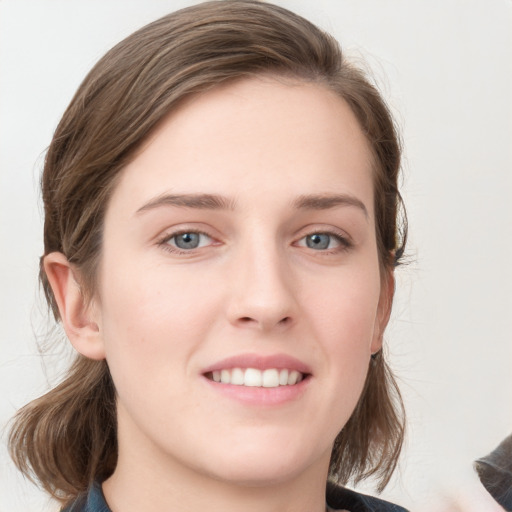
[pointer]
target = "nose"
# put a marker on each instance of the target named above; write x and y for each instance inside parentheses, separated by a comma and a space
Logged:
(262, 290)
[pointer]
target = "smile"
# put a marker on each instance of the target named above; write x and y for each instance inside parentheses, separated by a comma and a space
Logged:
(253, 377)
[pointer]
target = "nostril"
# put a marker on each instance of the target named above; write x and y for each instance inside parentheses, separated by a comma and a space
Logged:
(249, 321)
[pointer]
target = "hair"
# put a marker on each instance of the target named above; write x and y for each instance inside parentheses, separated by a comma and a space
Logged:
(67, 438)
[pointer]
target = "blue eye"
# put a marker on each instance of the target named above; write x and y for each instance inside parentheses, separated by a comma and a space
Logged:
(188, 241)
(324, 242)
(318, 241)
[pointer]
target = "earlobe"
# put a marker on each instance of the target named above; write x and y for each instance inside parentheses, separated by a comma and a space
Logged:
(76, 314)
(384, 310)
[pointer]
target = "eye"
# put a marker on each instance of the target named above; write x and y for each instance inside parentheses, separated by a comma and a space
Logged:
(318, 241)
(188, 240)
(324, 241)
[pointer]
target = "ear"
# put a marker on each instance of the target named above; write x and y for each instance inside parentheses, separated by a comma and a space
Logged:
(78, 317)
(387, 291)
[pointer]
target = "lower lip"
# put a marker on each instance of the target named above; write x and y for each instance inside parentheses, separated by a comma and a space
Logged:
(260, 396)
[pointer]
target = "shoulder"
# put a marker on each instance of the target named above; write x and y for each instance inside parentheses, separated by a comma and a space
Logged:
(340, 498)
(90, 501)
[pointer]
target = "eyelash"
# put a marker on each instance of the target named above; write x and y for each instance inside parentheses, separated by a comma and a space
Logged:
(345, 243)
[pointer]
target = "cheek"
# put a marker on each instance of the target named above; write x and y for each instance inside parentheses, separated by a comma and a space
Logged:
(345, 306)
(344, 319)
(152, 320)
(143, 298)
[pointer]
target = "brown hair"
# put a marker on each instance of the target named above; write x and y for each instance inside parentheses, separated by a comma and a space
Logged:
(67, 438)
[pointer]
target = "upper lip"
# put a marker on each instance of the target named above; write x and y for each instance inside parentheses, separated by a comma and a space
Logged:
(260, 362)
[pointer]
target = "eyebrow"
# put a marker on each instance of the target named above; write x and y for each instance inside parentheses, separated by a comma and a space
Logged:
(327, 201)
(218, 202)
(197, 201)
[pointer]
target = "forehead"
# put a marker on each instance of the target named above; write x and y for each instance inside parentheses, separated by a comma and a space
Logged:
(261, 136)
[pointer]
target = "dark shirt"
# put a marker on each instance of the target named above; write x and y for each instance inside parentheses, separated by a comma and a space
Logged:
(92, 501)
(340, 498)
(337, 498)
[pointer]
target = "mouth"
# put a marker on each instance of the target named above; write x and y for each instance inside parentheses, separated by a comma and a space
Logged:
(254, 377)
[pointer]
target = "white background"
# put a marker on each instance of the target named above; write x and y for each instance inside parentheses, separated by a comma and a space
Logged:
(445, 67)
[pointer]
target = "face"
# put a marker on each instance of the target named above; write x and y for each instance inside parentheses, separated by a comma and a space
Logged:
(239, 295)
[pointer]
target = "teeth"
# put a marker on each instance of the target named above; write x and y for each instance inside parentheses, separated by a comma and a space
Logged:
(270, 379)
(293, 377)
(252, 377)
(237, 376)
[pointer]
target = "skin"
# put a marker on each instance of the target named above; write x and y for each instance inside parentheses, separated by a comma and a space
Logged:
(253, 286)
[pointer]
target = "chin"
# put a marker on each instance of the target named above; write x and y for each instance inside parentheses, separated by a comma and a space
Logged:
(260, 465)
(258, 475)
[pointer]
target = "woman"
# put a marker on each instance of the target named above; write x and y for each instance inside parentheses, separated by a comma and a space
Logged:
(221, 229)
